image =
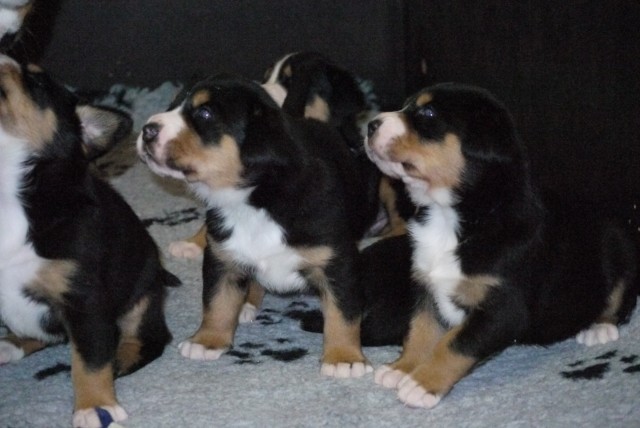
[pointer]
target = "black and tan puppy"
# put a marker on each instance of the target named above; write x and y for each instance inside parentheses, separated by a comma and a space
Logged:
(284, 208)
(75, 261)
(500, 264)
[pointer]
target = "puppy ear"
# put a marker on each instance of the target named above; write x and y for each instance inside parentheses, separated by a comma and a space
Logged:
(102, 128)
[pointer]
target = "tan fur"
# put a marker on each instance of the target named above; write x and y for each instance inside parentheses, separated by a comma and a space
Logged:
(28, 346)
(19, 115)
(217, 166)
(128, 353)
(52, 280)
(444, 368)
(200, 97)
(341, 338)
(472, 290)
(220, 315)
(424, 333)
(439, 163)
(92, 387)
(318, 109)
(397, 225)
(255, 293)
(423, 99)
(613, 305)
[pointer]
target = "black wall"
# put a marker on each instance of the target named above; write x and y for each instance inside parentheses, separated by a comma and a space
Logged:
(567, 70)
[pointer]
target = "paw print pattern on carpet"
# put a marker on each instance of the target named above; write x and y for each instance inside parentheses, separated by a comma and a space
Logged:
(600, 365)
(174, 218)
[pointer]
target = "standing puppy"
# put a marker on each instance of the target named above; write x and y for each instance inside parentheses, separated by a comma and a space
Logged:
(284, 208)
(499, 265)
(75, 261)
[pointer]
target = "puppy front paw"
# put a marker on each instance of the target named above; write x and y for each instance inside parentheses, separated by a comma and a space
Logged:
(388, 377)
(185, 250)
(598, 334)
(346, 370)
(98, 417)
(413, 394)
(196, 351)
(9, 352)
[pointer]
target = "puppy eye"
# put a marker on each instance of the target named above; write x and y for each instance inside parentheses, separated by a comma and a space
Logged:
(427, 111)
(203, 113)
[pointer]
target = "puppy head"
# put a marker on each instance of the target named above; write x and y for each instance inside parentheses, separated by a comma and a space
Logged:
(42, 117)
(221, 133)
(443, 141)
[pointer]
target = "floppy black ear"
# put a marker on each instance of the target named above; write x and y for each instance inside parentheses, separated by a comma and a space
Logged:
(102, 128)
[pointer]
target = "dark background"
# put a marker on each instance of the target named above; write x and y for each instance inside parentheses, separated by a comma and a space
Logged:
(567, 70)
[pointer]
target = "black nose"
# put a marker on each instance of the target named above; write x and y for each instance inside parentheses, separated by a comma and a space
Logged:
(150, 132)
(373, 127)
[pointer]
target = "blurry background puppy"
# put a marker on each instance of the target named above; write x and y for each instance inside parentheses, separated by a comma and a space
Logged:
(26, 27)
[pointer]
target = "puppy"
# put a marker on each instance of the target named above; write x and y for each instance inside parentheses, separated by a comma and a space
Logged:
(75, 261)
(499, 263)
(284, 208)
(309, 85)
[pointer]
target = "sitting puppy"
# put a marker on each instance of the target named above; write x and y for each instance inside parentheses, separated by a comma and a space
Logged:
(499, 265)
(284, 208)
(75, 261)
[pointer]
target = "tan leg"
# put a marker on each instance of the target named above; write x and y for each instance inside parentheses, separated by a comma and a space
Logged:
(342, 356)
(219, 322)
(424, 333)
(93, 388)
(431, 380)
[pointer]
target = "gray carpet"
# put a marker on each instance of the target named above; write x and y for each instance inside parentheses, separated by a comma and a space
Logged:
(271, 378)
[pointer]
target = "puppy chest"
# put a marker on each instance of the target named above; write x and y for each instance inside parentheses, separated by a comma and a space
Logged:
(435, 262)
(259, 243)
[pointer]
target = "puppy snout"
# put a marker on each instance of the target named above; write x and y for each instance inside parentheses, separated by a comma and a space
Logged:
(373, 126)
(150, 132)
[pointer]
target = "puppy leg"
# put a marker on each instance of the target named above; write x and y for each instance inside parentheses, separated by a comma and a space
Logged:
(255, 294)
(14, 348)
(424, 333)
(222, 304)
(342, 355)
(144, 335)
(432, 379)
(93, 388)
(190, 248)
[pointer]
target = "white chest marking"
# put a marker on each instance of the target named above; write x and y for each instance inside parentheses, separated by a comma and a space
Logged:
(18, 261)
(434, 259)
(259, 242)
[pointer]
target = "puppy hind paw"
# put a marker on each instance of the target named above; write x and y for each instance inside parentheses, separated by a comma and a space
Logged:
(248, 313)
(598, 334)
(185, 250)
(196, 351)
(414, 395)
(98, 417)
(388, 377)
(9, 352)
(345, 370)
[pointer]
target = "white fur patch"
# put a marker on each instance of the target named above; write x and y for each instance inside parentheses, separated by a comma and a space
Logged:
(257, 240)
(377, 146)
(272, 84)
(435, 261)
(18, 260)
(10, 21)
